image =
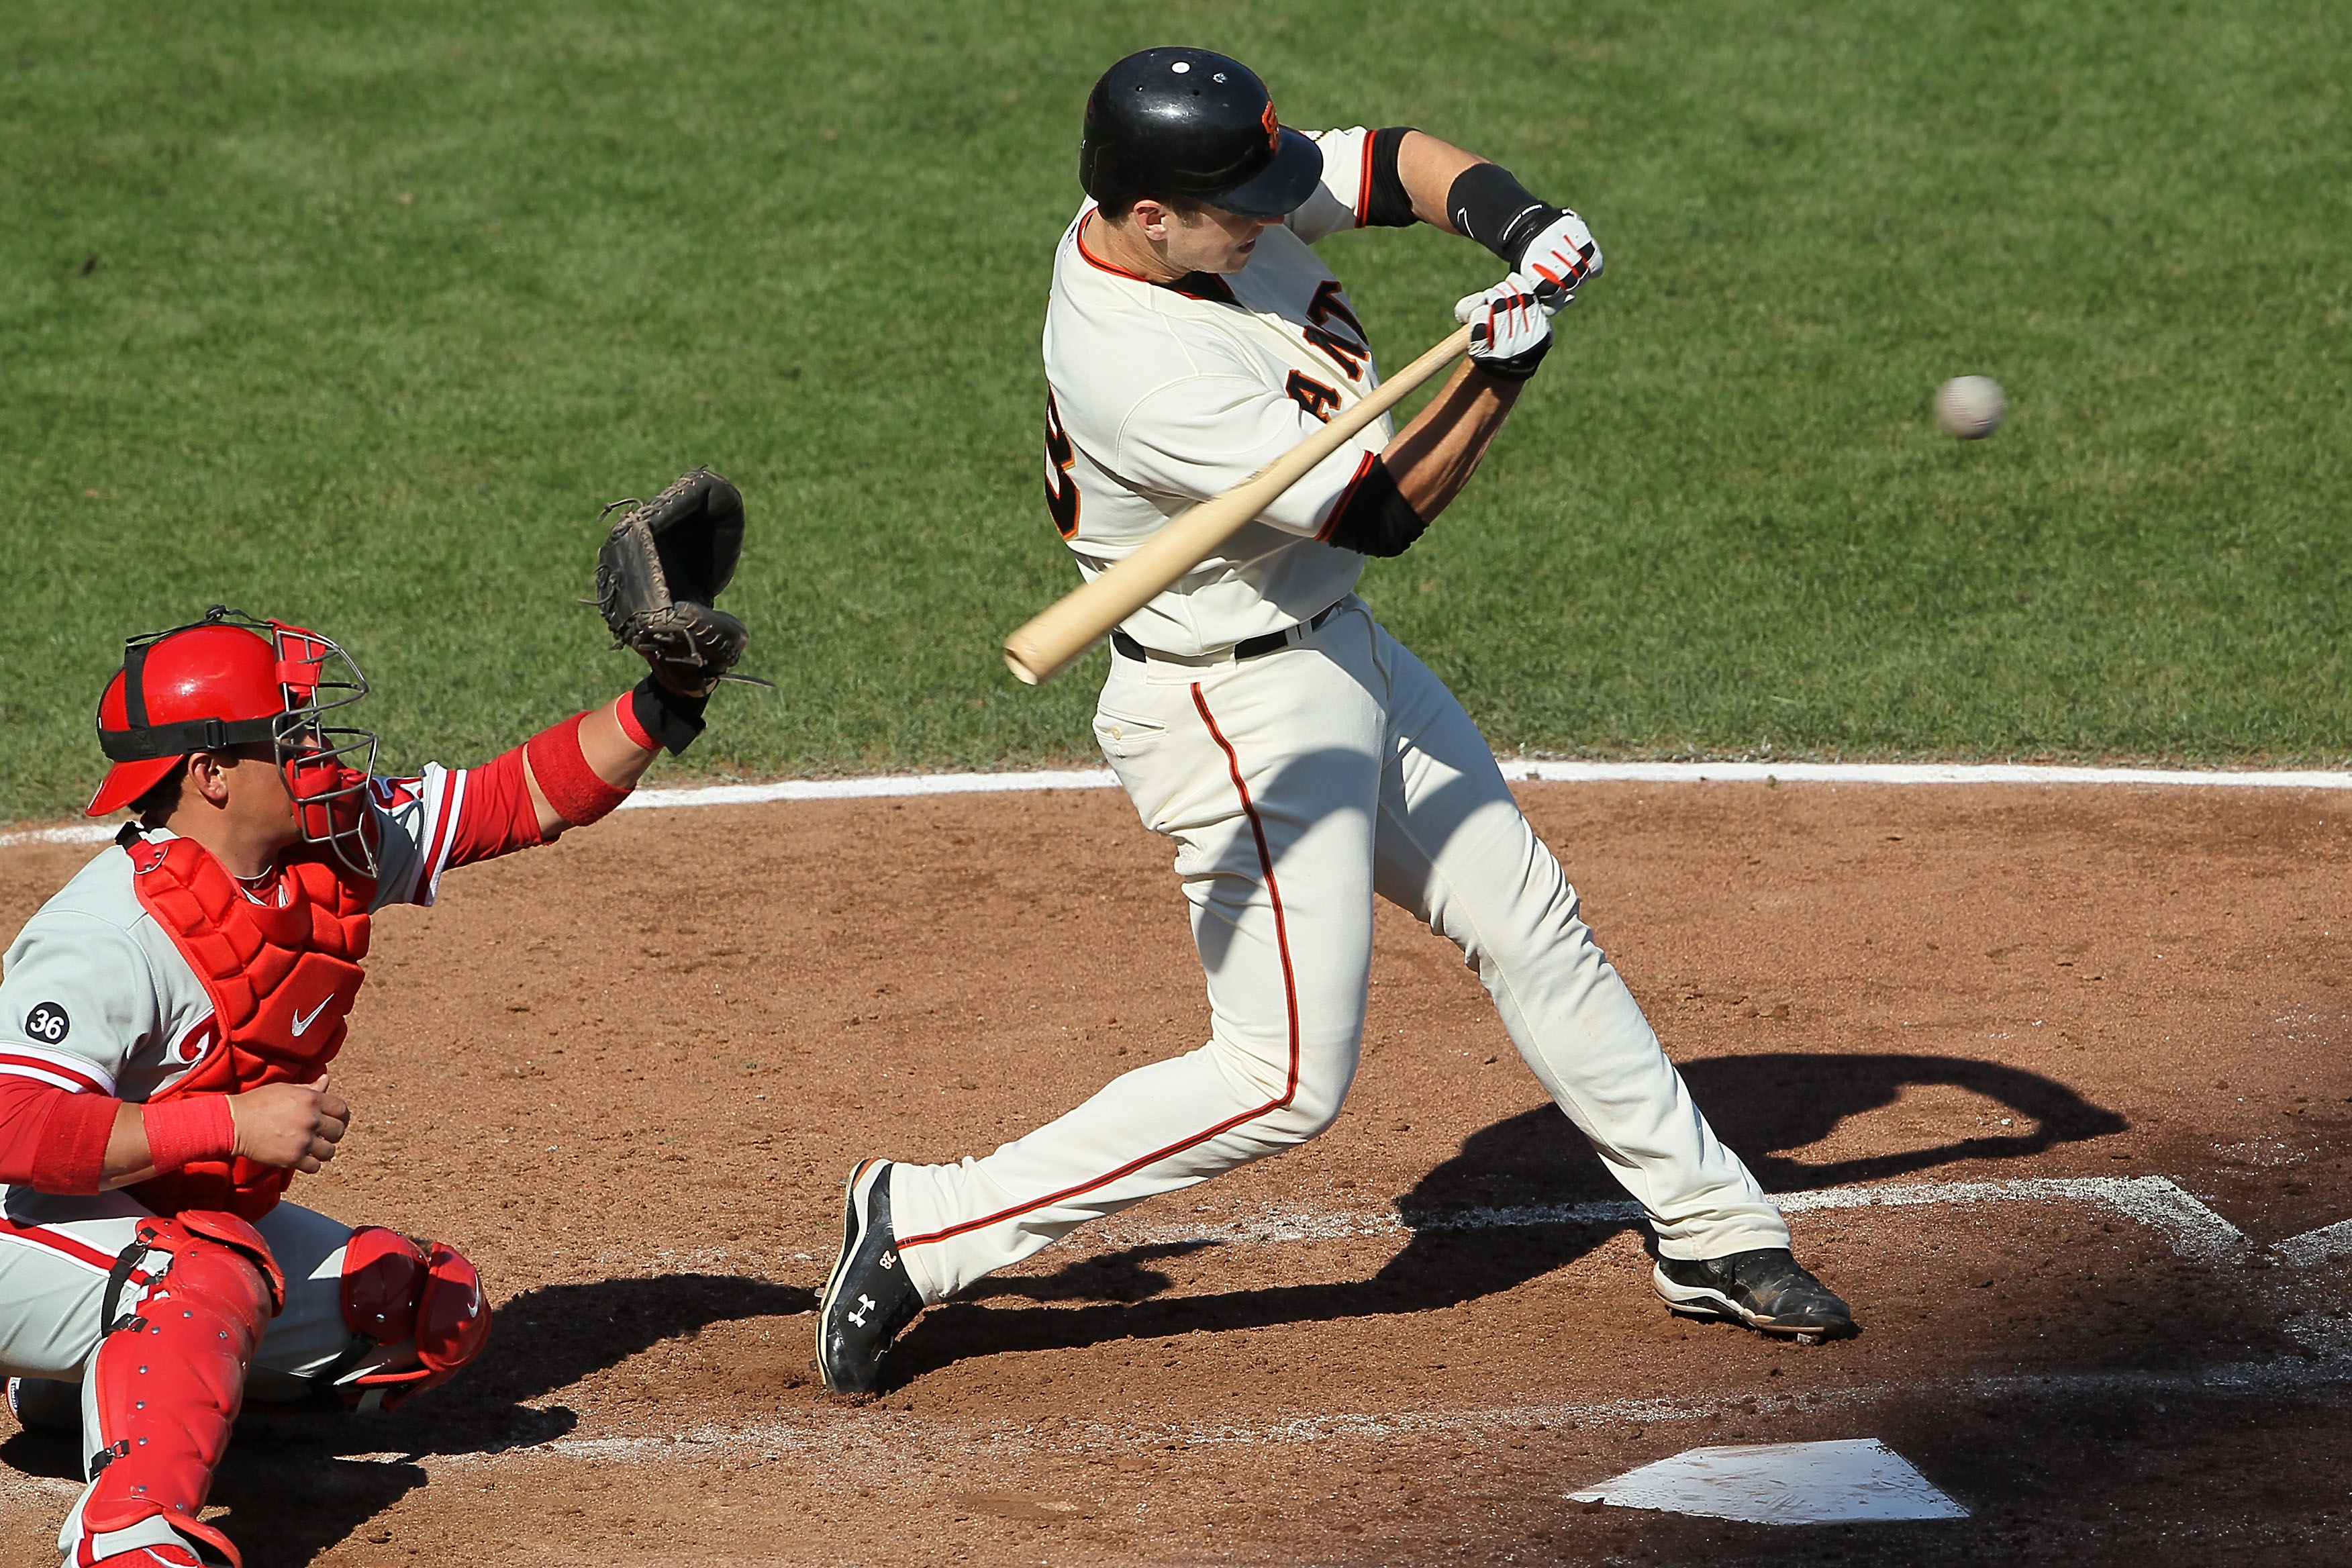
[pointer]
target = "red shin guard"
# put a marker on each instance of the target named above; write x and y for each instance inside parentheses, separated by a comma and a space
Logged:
(170, 1376)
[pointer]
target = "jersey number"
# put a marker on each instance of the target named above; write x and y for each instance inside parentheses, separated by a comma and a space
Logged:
(1312, 395)
(1060, 490)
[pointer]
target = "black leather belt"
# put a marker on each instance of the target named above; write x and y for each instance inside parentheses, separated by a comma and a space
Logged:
(1127, 647)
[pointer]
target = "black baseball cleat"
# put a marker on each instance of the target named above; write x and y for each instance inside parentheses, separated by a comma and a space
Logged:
(867, 1299)
(1766, 1288)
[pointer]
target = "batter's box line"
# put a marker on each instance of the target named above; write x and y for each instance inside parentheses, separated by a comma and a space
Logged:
(2195, 1231)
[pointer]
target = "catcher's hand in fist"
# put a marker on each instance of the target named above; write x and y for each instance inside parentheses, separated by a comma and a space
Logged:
(1510, 332)
(292, 1126)
(1560, 259)
(661, 566)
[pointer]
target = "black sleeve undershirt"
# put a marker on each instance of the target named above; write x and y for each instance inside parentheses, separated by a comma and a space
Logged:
(1374, 517)
(1387, 204)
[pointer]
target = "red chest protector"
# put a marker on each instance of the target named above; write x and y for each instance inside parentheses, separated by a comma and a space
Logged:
(281, 979)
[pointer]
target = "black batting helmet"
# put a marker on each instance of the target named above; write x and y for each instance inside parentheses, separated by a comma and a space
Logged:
(1197, 125)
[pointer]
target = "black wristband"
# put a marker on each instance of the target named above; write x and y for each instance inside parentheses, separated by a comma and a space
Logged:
(1487, 202)
(671, 717)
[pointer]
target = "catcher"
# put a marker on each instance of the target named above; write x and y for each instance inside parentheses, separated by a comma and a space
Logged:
(167, 1019)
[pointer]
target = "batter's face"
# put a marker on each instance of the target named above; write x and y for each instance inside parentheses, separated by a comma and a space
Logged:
(1215, 241)
(1206, 241)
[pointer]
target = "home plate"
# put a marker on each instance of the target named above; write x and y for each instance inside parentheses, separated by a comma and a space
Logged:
(1850, 1480)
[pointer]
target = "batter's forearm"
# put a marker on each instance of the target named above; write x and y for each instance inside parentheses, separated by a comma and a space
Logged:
(1491, 207)
(1454, 189)
(1432, 457)
(1428, 167)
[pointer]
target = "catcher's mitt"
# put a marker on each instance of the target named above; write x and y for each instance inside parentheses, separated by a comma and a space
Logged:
(662, 564)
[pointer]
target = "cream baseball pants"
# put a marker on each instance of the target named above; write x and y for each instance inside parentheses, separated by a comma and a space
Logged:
(1297, 785)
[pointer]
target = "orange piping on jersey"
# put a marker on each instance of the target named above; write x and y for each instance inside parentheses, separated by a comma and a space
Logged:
(1096, 261)
(1289, 997)
(1364, 181)
(1345, 496)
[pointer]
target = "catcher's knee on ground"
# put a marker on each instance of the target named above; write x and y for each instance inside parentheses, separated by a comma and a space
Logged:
(185, 1309)
(417, 1314)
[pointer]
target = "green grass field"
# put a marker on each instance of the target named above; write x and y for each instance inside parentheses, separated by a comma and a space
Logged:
(355, 314)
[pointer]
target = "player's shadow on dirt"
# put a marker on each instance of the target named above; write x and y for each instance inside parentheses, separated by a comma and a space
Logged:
(1766, 1105)
(292, 1494)
(1462, 1248)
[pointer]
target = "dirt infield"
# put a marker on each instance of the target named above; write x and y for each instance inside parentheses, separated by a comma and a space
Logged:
(2063, 1071)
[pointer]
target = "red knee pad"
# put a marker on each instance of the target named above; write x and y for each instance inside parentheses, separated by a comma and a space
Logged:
(424, 1295)
(170, 1375)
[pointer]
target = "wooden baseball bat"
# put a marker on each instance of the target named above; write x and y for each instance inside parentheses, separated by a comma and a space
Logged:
(1071, 624)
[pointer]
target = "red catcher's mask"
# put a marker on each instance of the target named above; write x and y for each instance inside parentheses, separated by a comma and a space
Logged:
(231, 681)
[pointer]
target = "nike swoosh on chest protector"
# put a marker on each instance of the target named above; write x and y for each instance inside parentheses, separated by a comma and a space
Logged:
(304, 1020)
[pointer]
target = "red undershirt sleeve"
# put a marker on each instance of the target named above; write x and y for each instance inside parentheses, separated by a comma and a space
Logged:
(53, 1141)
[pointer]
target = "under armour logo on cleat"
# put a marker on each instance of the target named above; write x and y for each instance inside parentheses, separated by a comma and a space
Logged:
(865, 1304)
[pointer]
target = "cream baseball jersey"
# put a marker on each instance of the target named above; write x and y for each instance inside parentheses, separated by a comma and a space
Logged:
(1162, 395)
(95, 998)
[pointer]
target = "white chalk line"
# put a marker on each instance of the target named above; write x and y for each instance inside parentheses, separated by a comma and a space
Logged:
(2195, 1231)
(2316, 1246)
(1517, 769)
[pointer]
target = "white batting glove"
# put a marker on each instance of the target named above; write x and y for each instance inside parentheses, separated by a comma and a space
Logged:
(1510, 332)
(1559, 260)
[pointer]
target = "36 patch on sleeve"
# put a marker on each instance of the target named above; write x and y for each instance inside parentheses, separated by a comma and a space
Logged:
(47, 1023)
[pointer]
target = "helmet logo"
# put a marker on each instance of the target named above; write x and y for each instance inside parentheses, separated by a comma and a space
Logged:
(1273, 126)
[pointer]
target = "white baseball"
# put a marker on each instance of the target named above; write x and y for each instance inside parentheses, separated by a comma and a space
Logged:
(1969, 407)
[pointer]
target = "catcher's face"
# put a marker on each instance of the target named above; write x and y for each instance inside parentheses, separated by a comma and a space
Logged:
(250, 788)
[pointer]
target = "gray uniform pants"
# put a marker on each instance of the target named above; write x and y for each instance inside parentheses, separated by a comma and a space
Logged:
(54, 1255)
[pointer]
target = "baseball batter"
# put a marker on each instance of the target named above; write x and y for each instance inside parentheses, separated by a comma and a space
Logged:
(167, 1024)
(1302, 761)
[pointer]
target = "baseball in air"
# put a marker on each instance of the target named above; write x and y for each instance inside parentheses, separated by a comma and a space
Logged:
(1969, 407)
